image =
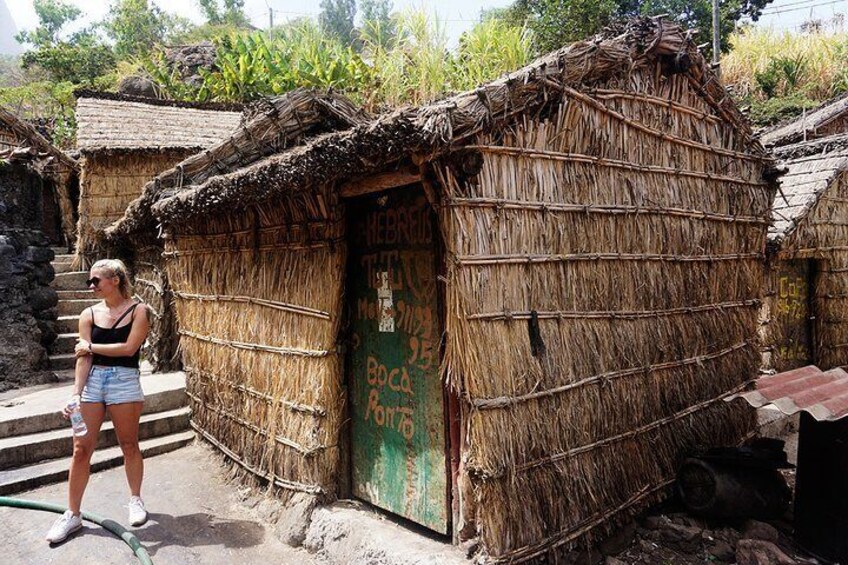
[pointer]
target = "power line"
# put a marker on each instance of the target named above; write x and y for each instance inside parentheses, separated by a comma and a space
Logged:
(782, 11)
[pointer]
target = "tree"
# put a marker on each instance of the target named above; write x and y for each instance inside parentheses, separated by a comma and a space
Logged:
(378, 27)
(52, 17)
(555, 23)
(698, 14)
(336, 19)
(135, 26)
(558, 22)
(80, 58)
(224, 12)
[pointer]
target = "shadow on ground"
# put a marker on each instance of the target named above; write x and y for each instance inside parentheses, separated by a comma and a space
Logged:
(193, 530)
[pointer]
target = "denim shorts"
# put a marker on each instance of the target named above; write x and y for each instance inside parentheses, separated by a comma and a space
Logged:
(112, 385)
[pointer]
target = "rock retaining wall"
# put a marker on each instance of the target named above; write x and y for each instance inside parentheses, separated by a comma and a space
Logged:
(28, 310)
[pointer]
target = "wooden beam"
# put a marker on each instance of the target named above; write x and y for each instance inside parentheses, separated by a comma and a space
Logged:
(378, 182)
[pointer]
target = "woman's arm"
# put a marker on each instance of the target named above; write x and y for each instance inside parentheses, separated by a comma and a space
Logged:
(83, 366)
(138, 333)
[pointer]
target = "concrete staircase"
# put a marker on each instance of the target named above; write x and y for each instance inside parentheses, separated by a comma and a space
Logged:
(74, 297)
(36, 445)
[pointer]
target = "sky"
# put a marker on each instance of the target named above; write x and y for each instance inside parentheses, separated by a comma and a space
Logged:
(456, 15)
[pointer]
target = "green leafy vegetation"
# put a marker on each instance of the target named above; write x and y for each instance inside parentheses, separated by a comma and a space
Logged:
(779, 75)
(406, 61)
(559, 22)
(382, 58)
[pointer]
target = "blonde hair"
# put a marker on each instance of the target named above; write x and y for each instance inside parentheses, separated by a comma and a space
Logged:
(116, 268)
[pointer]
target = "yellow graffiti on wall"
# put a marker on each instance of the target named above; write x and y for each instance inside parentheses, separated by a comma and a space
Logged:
(792, 297)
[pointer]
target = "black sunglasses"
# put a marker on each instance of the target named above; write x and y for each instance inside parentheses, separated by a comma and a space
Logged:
(93, 281)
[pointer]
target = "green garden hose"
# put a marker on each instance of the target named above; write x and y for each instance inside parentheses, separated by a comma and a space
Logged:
(105, 523)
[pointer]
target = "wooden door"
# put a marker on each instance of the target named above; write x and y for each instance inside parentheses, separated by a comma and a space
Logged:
(398, 450)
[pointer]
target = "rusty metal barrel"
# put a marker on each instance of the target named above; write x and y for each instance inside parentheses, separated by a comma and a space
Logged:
(723, 490)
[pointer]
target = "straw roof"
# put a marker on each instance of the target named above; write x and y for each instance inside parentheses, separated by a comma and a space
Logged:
(436, 129)
(277, 124)
(811, 168)
(116, 122)
(19, 141)
(808, 126)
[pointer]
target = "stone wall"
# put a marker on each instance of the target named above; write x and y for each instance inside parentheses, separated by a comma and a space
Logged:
(27, 302)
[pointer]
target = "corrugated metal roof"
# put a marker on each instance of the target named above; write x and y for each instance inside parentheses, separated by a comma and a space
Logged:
(118, 124)
(822, 394)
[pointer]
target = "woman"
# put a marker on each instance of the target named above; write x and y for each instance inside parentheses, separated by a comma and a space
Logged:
(107, 379)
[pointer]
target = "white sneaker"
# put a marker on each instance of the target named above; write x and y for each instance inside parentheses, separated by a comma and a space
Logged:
(138, 515)
(64, 526)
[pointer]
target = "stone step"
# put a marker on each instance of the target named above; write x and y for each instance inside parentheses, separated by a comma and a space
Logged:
(61, 267)
(63, 257)
(19, 451)
(75, 294)
(64, 376)
(56, 471)
(64, 344)
(67, 324)
(40, 411)
(60, 250)
(74, 280)
(74, 307)
(62, 361)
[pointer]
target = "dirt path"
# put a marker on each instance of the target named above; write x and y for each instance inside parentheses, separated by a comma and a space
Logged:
(195, 517)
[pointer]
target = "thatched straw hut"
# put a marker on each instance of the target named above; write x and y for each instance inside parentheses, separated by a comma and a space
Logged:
(550, 283)
(804, 318)
(22, 145)
(124, 141)
(828, 119)
(270, 126)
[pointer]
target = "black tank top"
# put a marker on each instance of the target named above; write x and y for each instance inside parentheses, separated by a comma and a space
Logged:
(114, 335)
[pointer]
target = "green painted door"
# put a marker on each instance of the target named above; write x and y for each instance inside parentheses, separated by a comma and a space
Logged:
(397, 399)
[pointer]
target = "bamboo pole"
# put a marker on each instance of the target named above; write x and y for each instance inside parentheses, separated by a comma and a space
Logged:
(268, 476)
(601, 209)
(588, 100)
(284, 306)
(256, 347)
(282, 440)
(605, 162)
(293, 406)
(505, 401)
(527, 258)
(613, 314)
(667, 103)
(557, 457)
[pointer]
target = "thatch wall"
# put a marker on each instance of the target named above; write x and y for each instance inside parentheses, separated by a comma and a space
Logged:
(811, 225)
(823, 235)
(788, 304)
(109, 182)
(151, 286)
(640, 257)
(258, 300)
(604, 215)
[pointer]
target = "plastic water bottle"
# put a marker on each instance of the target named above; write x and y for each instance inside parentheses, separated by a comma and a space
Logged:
(77, 423)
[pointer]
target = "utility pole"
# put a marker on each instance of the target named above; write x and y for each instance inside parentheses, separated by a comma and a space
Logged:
(270, 17)
(716, 40)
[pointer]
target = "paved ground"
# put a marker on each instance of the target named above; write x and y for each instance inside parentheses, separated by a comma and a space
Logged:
(195, 517)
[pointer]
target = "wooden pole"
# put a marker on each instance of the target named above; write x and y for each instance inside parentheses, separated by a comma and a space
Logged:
(716, 40)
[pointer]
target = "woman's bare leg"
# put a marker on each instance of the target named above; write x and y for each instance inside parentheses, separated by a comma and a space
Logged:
(92, 414)
(125, 417)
